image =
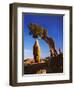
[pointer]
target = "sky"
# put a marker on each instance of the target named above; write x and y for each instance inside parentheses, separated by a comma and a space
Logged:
(54, 25)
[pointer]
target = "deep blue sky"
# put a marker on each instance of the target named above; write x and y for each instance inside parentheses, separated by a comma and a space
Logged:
(54, 25)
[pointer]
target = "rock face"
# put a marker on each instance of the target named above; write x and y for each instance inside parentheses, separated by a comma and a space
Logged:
(41, 71)
(36, 51)
(29, 61)
(52, 65)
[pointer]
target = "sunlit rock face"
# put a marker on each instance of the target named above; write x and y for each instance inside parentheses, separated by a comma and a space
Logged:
(29, 61)
(36, 51)
(41, 71)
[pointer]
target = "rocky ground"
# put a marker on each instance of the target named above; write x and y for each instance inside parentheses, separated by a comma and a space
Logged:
(47, 65)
